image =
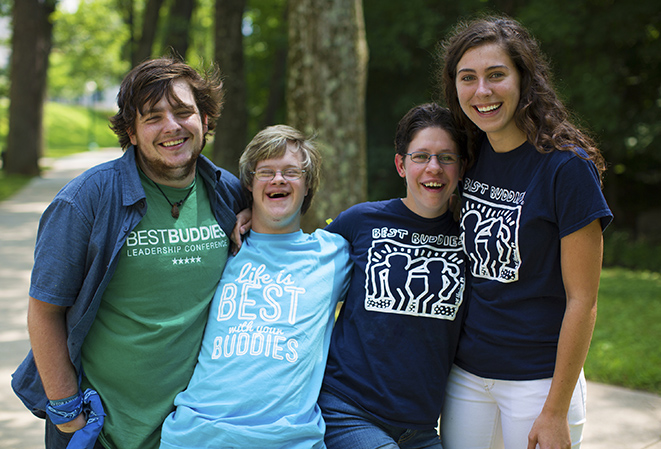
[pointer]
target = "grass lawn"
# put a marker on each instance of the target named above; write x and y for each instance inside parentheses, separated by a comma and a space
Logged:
(69, 129)
(10, 184)
(626, 346)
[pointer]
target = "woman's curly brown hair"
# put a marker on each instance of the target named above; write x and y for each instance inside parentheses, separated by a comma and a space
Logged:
(540, 114)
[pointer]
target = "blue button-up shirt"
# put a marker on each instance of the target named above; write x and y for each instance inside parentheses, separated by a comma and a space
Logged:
(79, 240)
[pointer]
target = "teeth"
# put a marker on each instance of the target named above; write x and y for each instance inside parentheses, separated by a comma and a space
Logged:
(434, 185)
(277, 195)
(173, 143)
(484, 109)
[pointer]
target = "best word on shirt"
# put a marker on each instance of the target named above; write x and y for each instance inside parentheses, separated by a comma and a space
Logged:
(169, 241)
(495, 193)
(417, 238)
(255, 295)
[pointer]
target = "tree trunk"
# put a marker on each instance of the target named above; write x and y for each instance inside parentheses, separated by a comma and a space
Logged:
(326, 95)
(278, 78)
(149, 26)
(31, 45)
(230, 137)
(176, 35)
(127, 10)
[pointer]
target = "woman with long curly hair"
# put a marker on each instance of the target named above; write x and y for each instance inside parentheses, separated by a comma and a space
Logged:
(532, 220)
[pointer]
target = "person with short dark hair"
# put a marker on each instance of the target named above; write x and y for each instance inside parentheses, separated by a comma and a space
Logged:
(395, 338)
(127, 260)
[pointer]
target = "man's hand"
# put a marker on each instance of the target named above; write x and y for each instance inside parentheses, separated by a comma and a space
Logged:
(242, 225)
(76, 424)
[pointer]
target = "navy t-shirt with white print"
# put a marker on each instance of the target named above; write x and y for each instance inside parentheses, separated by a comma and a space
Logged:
(516, 208)
(395, 339)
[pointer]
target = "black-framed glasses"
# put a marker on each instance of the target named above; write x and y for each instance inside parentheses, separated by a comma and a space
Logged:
(267, 174)
(420, 157)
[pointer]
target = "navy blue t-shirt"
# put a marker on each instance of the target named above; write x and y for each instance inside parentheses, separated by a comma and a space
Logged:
(393, 344)
(517, 206)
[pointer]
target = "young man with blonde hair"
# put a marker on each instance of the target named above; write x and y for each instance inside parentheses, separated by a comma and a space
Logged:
(264, 351)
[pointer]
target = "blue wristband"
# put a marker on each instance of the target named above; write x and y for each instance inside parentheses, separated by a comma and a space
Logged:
(86, 437)
(64, 410)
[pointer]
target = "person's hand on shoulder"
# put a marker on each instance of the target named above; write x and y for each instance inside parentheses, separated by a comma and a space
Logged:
(241, 227)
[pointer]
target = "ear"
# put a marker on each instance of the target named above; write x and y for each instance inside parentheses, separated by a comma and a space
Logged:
(131, 134)
(399, 165)
(205, 124)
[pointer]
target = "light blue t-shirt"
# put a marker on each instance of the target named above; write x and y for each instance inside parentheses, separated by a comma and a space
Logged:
(264, 351)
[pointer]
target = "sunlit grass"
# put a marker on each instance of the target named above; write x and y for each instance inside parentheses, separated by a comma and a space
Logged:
(625, 347)
(72, 129)
(69, 129)
(10, 184)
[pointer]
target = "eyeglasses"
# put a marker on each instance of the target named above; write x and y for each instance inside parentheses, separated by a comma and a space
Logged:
(420, 157)
(267, 174)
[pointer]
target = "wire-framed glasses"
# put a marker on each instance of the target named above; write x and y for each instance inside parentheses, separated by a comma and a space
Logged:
(267, 174)
(420, 157)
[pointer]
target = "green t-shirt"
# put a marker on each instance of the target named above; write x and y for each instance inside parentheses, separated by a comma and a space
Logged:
(143, 345)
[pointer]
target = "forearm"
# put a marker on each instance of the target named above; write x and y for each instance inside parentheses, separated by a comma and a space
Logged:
(573, 344)
(48, 338)
(581, 266)
(581, 254)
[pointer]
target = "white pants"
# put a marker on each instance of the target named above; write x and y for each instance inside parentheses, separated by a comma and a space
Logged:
(481, 413)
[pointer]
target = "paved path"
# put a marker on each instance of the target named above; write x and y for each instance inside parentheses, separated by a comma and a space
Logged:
(617, 418)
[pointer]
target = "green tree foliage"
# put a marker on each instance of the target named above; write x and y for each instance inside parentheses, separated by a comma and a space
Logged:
(200, 52)
(5, 7)
(265, 46)
(606, 56)
(402, 38)
(87, 47)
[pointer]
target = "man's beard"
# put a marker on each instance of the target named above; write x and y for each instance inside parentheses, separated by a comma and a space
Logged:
(166, 172)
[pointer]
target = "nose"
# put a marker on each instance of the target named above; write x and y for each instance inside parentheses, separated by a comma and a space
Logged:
(433, 164)
(278, 178)
(171, 122)
(483, 88)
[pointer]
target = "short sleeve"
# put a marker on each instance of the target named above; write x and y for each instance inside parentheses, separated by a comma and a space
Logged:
(579, 199)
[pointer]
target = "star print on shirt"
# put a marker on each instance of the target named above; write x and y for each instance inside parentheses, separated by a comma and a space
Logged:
(187, 260)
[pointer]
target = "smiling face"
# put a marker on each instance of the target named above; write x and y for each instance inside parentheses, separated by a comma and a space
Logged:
(488, 88)
(276, 206)
(169, 137)
(429, 186)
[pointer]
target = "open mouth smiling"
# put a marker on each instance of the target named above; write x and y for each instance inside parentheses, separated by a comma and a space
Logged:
(276, 195)
(433, 185)
(487, 109)
(173, 143)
